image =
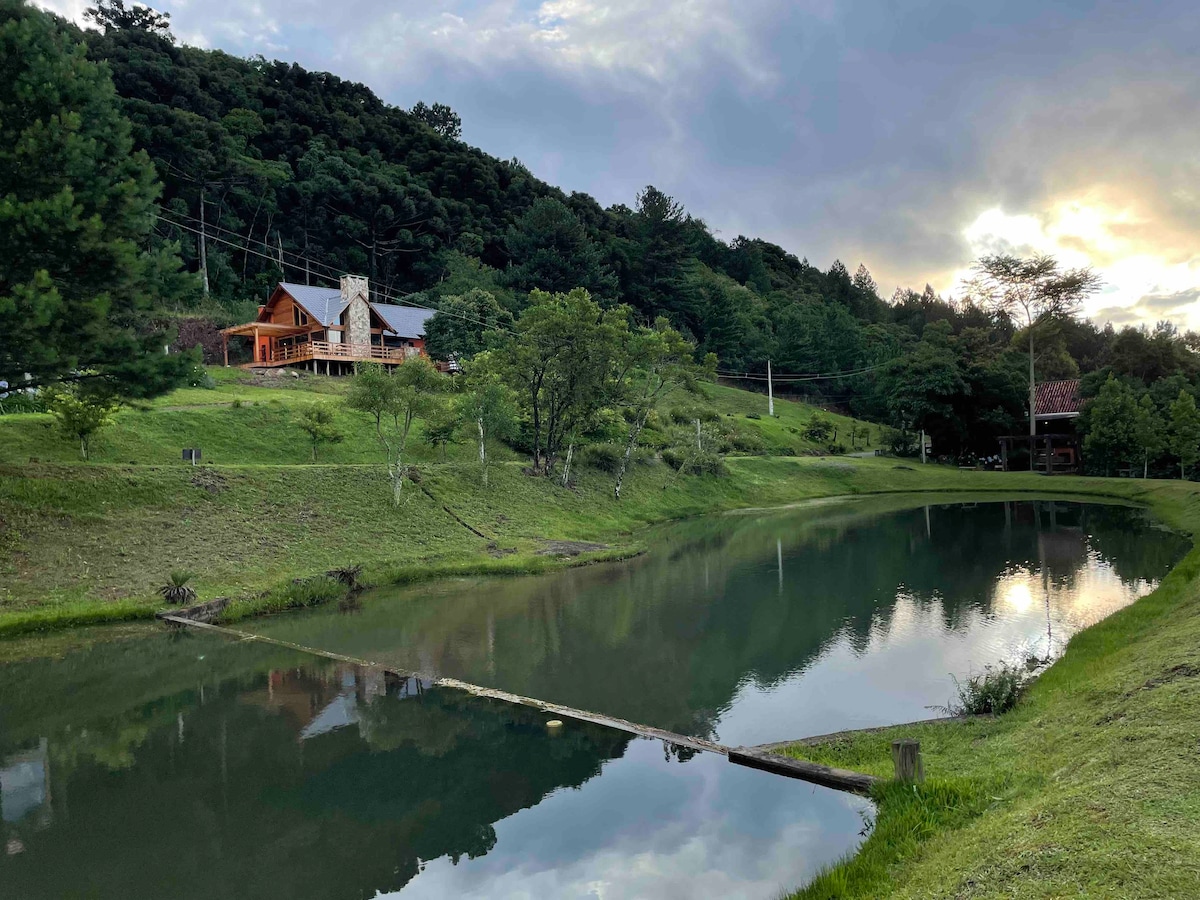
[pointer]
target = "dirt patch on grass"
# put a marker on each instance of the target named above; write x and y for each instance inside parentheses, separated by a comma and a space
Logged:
(1183, 670)
(568, 548)
(210, 480)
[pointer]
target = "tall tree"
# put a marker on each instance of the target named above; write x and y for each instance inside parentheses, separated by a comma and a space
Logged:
(114, 14)
(394, 399)
(661, 257)
(1151, 431)
(551, 251)
(439, 117)
(1112, 436)
(651, 364)
(76, 211)
(1185, 431)
(458, 329)
(485, 408)
(559, 363)
(1034, 290)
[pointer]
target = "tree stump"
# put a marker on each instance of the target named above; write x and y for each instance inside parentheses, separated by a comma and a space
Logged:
(906, 757)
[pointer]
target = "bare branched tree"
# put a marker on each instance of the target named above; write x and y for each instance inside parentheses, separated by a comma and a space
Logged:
(1033, 292)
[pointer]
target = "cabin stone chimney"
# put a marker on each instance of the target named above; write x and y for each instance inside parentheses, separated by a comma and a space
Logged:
(358, 313)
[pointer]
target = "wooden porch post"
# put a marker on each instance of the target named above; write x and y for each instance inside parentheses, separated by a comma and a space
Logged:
(257, 350)
(225, 347)
(1049, 454)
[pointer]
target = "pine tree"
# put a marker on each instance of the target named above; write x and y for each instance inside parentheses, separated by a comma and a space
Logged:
(76, 210)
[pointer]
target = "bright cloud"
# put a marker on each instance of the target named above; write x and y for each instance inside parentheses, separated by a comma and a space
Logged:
(1140, 284)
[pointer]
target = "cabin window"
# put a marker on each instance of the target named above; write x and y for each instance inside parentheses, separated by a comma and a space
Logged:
(299, 317)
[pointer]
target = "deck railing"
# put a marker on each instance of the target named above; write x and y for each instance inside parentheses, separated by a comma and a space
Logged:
(329, 350)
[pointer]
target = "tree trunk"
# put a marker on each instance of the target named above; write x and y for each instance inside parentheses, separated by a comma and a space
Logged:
(1146, 466)
(566, 479)
(397, 475)
(83, 447)
(482, 451)
(1032, 398)
(634, 432)
(314, 452)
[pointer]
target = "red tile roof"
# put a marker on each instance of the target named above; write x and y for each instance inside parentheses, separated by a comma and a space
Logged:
(1057, 398)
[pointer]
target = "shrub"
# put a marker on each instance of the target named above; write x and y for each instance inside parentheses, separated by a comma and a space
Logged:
(682, 415)
(900, 443)
(994, 691)
(177, 589)
(21, 402)
(693, 463)
(747, 443)
(757, 416)
(605, 457)
(198, 377)
(837, 449)
(819, 429)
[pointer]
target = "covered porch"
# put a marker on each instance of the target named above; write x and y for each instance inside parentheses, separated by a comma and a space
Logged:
(274, 344)
(1053, 454)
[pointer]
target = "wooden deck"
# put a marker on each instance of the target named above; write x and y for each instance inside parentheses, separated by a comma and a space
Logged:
(326, 350)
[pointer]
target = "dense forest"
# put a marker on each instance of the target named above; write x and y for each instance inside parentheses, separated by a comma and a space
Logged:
(302, 175)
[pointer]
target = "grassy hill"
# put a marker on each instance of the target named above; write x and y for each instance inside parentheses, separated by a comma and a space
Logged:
(247, 419)
(85, 541)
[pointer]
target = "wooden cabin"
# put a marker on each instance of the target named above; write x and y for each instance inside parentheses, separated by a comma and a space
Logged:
(330, 329)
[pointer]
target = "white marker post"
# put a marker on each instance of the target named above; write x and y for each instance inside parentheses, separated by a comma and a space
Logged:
(770, 393)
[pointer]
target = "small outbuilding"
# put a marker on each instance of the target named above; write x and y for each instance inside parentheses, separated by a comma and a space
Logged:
(1054, 447)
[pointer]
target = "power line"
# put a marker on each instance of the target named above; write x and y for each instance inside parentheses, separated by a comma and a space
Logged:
(399, 300)
(801, 377)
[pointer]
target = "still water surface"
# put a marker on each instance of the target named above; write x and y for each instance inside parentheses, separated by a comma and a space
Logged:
(762, 627)
(194, 767)
(200, 768)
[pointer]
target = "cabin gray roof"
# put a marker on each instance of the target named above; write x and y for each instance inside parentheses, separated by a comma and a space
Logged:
(325, 304)
(406, 321)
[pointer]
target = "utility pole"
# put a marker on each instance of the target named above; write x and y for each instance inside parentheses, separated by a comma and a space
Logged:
(922, 446)
(203, 242)
(770, 393)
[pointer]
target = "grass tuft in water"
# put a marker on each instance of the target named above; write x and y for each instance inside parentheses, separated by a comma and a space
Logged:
(992, 692)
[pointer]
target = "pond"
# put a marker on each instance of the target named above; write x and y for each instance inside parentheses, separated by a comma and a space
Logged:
(196, 767)
(137, 763)
(767, 626)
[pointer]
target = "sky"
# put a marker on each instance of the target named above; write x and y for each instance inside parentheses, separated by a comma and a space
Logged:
(912, 137)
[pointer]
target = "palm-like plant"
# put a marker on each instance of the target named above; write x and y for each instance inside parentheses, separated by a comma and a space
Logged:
(177, 589)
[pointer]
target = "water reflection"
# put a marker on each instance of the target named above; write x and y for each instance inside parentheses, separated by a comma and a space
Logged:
(762, 627)
(200, 768)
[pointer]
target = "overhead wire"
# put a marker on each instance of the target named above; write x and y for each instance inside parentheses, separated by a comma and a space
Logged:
(399, 300)
(308, 264)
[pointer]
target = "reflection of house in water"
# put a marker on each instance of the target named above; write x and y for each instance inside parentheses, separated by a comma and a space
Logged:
(318, 702)
(25, 792)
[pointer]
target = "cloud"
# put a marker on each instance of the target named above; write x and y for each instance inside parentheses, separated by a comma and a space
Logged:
(910, 137)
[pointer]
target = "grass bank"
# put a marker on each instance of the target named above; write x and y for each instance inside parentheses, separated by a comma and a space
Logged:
(85, 544)
(1089, 788)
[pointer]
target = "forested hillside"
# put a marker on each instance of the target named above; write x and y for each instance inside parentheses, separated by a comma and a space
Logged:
(303, 176)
